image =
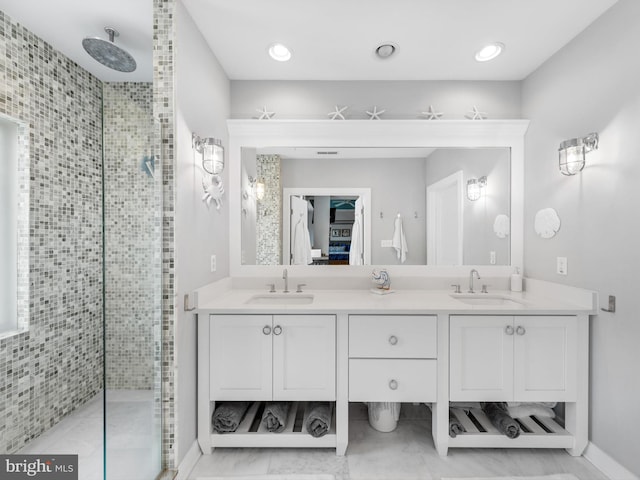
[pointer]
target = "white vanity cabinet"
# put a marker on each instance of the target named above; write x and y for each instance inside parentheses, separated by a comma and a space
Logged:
(513, 358)
(521, 358)
(273, 357)
(263, 357)
(392, 358)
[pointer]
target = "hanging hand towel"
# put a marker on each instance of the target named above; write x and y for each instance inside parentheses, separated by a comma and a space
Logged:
(399, 241)
(355, 250)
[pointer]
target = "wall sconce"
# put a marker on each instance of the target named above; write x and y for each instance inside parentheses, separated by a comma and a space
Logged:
(475, 187)
(212, 157)
(254, 188)
(571, 154)
(259, 190)
(212, 153)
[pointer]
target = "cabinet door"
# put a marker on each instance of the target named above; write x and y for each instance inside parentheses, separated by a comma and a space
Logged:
(545, 358)
(304, 357)
(240, 357)
(481, 358)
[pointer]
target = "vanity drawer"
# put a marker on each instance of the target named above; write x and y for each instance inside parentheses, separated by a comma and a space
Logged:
(392, 336)
(392, 380)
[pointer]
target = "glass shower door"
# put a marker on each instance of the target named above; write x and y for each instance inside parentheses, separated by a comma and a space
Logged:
(132, 282)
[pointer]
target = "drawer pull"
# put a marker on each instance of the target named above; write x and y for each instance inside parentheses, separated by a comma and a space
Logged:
(508, 330)
(277, 330)
(393, 340)
(520, 330)
(266, 329)
(393, 385)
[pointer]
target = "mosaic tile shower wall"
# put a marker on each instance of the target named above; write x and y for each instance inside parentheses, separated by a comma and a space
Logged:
(132, 220)
(56, 366)
(269, 212)
(163, 107)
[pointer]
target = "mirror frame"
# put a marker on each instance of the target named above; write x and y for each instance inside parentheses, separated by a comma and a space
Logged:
(379, 133)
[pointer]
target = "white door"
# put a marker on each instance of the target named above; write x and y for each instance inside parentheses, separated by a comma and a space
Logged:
(445, 221)
(545, 359)
(240, 357)
(481, 358)
(304, 357)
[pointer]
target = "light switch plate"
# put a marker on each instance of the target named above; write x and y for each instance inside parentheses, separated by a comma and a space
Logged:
(561, 265)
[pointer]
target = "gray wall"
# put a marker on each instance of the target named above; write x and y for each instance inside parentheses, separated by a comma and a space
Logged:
(397, 186)
(593, 84)
(479, 238)
(56, 366)
(202, 106)
(314, 99)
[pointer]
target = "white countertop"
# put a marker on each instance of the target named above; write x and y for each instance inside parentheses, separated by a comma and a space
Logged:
(362, 301)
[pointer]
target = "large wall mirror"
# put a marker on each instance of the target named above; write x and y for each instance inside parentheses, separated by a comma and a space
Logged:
(321, 195)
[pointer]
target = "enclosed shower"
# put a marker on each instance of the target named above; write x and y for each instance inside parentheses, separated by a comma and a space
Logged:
(80, 356)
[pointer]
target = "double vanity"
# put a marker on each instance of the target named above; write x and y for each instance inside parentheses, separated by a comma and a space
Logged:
(427, 346)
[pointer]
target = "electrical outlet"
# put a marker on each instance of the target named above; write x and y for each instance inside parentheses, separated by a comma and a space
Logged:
(492, 258)
(386, 243)
(561, 265)
(214, 263)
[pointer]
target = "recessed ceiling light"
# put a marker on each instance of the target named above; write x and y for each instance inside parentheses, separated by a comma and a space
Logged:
(385, 50)
(279, 52)
(489, 52)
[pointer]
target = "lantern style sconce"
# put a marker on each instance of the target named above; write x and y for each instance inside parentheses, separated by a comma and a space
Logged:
(571, 154)
(212, 153)
(475, 187)
(212, 159)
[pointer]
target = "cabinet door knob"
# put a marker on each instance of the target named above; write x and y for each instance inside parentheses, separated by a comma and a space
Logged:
(508, 330)
(520, 330)
(277, 330)
(393, 385)
(393, 340)
(266, 329)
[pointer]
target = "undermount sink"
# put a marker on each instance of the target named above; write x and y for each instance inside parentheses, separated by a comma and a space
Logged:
(280, 299)
(484, 299)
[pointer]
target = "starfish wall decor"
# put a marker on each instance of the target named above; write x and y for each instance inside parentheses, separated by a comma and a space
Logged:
(475, 114)
(375, 114)
(431, 114)
(265, 114)
(338, 113)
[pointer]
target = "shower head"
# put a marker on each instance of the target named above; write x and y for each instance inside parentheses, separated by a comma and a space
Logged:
(107, 53)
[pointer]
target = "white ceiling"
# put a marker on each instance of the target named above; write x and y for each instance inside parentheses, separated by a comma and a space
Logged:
(64, 23)
(330, 39)
(436, 39)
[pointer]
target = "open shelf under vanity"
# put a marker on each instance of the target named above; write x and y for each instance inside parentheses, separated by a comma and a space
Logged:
(251, 432)
(535, 432)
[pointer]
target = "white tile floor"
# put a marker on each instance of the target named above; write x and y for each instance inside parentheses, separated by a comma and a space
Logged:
(404, 454)
(133, 438)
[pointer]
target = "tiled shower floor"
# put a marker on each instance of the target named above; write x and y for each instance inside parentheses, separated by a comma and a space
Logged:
(133, 450)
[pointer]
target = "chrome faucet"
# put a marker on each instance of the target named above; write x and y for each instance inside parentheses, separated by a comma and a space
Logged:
(285, 276)
(473, 270)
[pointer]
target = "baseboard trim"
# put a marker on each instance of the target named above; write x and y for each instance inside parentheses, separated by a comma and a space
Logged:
(607, 465)
(189, 461)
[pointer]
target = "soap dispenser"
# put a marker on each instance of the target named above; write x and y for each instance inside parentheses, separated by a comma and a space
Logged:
(516, 281)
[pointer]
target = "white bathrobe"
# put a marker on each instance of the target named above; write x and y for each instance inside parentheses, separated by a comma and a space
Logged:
(301, 245)
(399, 241)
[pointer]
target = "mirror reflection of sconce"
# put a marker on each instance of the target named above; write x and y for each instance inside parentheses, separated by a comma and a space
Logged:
(254, 188)
(571, 153)
(475, 186)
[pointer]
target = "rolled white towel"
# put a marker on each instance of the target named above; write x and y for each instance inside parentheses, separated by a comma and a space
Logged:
(528, 409)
